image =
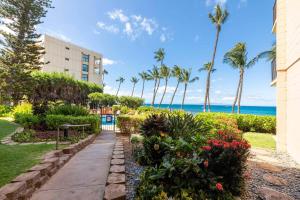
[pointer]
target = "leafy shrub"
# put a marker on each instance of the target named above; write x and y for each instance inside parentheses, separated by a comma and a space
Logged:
(130, 124)
(54, 121)
(68, 109)
(155, 125)
(23, 108)
(131, 102)
(27, 120)
(26, 136)
(4, 110)
(102, 100)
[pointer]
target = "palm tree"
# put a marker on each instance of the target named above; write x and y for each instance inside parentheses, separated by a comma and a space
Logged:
(208, 68)
(237, 58)
(165, 73)
(104, 72)
(154, 75)
(144, 76)
(269, 55)
(186, 79)
(159, 56)
(134, 80)
(177, 73)
(120, 80)
(218, 19)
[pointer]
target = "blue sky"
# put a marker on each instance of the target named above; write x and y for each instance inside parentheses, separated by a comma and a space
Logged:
(128, 32)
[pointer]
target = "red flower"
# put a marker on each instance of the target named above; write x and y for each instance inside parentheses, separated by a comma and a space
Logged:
(206, 148)
(205, 163)
(221, 132)
(219, 186)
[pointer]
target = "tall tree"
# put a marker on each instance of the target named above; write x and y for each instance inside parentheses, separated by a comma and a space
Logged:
(159, 56)
(270, 55)
(186, 79)
(134, 80)
(21, 51)
(155, 76)
(120, 80)
(208, 68)
(144, 77)
(104, 72)
(176, 73)
(237, 58)
(218, 18)
(165, 73)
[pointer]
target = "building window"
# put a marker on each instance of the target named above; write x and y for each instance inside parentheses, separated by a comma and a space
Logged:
(67, 48)
(66, 70)
(67, 59)
(85, 77)
(85, 68)
(85, 58)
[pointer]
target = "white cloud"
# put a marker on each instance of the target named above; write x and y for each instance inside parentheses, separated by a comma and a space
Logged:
(118, 15)
(169, 90)
(218, 92)
(149, 25)
(163, 37)
(108, 28)
(214, 2)
(107, 61)
(128, 29)
(228, 98)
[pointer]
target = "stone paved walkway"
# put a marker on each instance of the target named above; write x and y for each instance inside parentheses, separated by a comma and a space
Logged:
(84, 176)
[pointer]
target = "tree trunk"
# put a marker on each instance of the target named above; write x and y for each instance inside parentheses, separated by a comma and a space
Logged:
(143, 89)
(174, 93)
(154, 89)
(212, 66)
(206, 91)
(240, 93)
(133, 90)
(236, 95)
(162, 98)
(118, 89)
(185, 86)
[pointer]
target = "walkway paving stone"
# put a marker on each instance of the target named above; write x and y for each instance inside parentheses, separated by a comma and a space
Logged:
(117, 161)
(117, 169)
(115, 178)
(118, 156)
(270, 194)
(84, 176)
(115, 192)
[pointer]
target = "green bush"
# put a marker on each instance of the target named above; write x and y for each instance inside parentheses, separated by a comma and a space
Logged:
(130, 124)
(23, 108)
(54, 121)
(26, 136)
(131, 102)
(27, 120)
(98, 99)
(5, 110)
(68, 109)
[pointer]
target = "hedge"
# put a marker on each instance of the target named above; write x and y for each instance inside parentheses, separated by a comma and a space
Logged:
(130, 124)
(54, 121)
(246, 122)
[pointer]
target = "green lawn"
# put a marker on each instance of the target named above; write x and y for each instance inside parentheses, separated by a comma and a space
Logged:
(6, 128)
(261, 140)
(15, 159)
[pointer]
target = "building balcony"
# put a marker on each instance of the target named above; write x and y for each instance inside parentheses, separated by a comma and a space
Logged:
(274, 17)
(273, 73)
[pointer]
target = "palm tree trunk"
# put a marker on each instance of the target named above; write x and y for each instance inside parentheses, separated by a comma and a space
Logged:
(154, 89)
(143, 89)
(240, 93)
(185, 86)
(206, 91)
(133, 90)
(118, 89)
(212, 66)
(162, 98)
(236, 95)
(174, 93)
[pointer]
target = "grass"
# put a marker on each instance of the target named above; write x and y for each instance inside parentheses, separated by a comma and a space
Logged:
(261, 140)
(6, 128)
(15, 159)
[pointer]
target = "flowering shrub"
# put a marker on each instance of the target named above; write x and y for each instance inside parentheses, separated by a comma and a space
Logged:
(202, 165)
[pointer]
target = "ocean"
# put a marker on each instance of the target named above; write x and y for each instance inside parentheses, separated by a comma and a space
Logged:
(192, 108)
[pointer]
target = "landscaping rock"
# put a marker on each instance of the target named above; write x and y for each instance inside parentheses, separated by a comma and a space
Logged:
(115, 178)
(52, 171)
(117, 169)
(27, 194)
(119, 149)
(42, 181)
(115, 192)
(53, 161)
(274, 180)
(51, 154)
(117, 161)
(43, 168)
(270, 194)
(269, 167)
(69, 150)
(31, 178)
(3, 197)
(13, 190)
(118, 152)
(118, 156)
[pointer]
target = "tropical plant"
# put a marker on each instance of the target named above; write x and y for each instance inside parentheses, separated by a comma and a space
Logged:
(104, 72)
(159, 56)
(186, 79)
(218, 19)
(134, 80)
(237, 58)
(165, 73)
(177, 73)
(102, 100)
(131, 102)
(270, 55)
(144, 77)
(207, 67)
(154, 75)
(21, 51)
(120, 80)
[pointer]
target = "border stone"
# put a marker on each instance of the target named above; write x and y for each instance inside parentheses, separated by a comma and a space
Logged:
(117, 161)
(31, 178)
(274, 180)
(53, 161)
(115, 178)
(43, 168)
(120, 156)
(117, 169)
(3, 197)
(270, 194)
(13, 190)
(118, 152)
(115, 192)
